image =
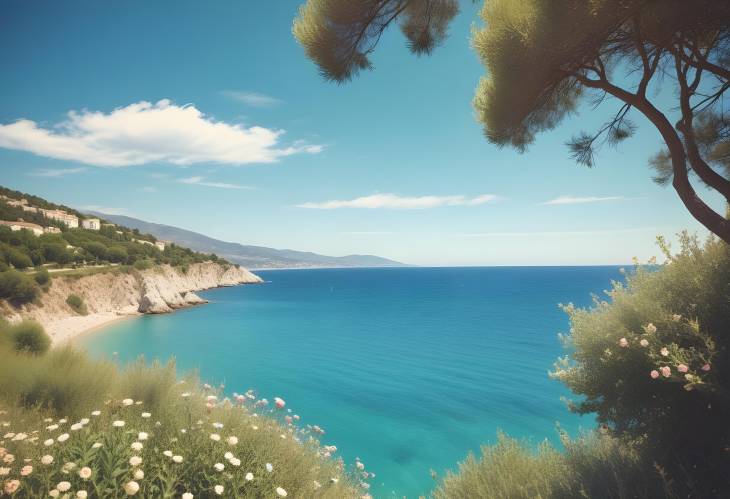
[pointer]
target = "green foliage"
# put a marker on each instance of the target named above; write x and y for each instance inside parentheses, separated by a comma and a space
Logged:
(593, 466)
(42, 277)
(77, 303)
(142, 264)
(17, 287)
(160, 414)
(653, 363)
(28, 337)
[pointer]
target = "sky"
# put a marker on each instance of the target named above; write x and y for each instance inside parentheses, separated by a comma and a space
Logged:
(208, 116)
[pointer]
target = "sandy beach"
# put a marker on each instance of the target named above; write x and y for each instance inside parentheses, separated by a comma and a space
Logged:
(68, 329)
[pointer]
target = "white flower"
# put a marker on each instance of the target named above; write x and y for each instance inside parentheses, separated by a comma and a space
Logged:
(62, 438)
(215, 437)
(131, 488)
(4, 471)
(138, 474)
(85, 472)
(84, 421)
(185, 395)
(280, 492)
(168, 453)
(96, 445)
(76, 426)
(187, 495)
(235, 461)
(146, 415)
(219, 466)
(317, 485)
(81, 494)
(63, 421)
(48, 442)
(127, 402)
(137, 446)
(249, 477)
(218, 425)
(650, 328)
(142, 436)
(232, 440)
(664, 351)
(219, 489)
(95, 413)
(47, 459)
(54, 493)
(51, 427)
(269, 467)
(177, 459)
(211, 398)
(360, 465)
(63, 486)
(135, 461)
(228, 455)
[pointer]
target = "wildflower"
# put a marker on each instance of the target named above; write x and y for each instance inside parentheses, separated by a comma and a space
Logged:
(9, 435)
(76, 426)
(187, 495)
(232, 440)
(54, 493)
(146, 415)
(296, 417)
(20, 436)
(218, 425)
(84, 421)
(215, 437)
(142, 436)
(269, 467)
(63, 421)
(288, 419)
(177, 459)
(63, 486)
(185, 395)
(254, 427)
(279, 403)
(26, 470)
(47, 459)
(63, 437)
(666, 371)
(682, 368)
(11, 486)
(219, 489)
(664, 351)
(68, 467)
(127, 402)
(168, 453)
(249, 477)
(95, 413)
(135, 461)
(4, 471)
(9, 459)
(228, 455)
(138, 474)
(219, 466)
(211, 398)
(623, 342)
(650, 328)
(82, 494)
(48, 442)
(96, 445)
(118, 424)
(644, 343)
(137, 446)
(360, 465)
(706, 367)
(317, 485)
(676, 317)
(280, 492)
(235, 461)
(131, 488)
(52, 427)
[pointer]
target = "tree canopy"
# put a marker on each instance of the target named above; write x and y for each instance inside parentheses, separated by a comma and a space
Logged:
(543, 56)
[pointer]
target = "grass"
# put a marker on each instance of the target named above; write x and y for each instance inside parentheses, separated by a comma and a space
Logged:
(64, 405)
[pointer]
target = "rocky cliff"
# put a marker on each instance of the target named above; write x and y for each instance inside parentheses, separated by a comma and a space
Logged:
(112, 294)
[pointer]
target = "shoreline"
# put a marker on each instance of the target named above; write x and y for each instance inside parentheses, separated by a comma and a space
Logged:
(101, 322)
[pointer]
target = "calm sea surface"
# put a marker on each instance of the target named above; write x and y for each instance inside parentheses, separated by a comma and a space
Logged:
(409, 369)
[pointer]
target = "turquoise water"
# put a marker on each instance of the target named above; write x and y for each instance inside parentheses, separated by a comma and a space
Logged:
(409, 369)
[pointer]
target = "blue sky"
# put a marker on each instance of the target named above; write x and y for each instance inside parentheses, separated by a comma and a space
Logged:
(209, 117)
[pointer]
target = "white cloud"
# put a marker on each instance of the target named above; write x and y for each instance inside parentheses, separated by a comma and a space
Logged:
(394, 201)
(254, 99)
(581, 200)
(59, 172)
(221, 185)
(144, 132)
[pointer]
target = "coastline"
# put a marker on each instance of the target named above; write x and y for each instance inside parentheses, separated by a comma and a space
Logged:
(96, 323)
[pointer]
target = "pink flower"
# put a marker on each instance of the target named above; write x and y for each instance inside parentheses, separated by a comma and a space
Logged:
(706, 367)
(682, 368)
(11, 486)
(623, 342)
(666, 371)
(27, 470)
(654, 374)
(279, 403)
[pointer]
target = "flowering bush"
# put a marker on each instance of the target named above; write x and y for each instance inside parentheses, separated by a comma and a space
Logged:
(142, 432)
(652, 362)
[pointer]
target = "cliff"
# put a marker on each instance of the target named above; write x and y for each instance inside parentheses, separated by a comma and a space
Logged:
(110, 295)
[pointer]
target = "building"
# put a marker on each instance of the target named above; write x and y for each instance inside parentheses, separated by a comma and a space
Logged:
(161, 245)
(91, 223)
(15, 226)
(51, 230)
(31, 209)
(16, 202)
(72, 221)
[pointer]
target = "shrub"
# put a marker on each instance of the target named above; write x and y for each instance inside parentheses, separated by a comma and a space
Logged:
(77, 304)
(652, 362)
(17, 287)
(29, 337)
(17, 258)
(142, 264)
(592, 466)
(42, 277)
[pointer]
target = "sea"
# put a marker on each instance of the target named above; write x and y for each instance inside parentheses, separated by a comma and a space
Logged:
(407, 369)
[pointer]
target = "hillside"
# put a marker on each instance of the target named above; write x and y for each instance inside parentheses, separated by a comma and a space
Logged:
(253, 257)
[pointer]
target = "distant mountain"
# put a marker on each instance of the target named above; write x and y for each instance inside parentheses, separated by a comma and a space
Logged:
(252, 257)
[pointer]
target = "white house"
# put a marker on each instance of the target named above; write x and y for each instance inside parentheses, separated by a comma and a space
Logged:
(72, 221)
(15, 226)
(91, 223)
(161, 245)
(51, 230)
